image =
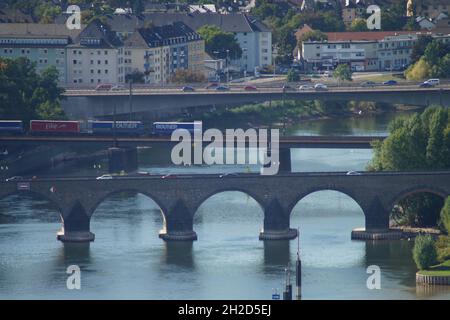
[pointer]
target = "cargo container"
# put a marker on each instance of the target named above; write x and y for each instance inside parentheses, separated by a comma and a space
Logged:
(11, 127)
(121, 127)
(54, 127)
(166, 128)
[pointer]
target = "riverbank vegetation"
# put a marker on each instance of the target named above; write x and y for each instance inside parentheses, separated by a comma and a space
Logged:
(25, 94)
(433, 258)
(287, 113)
(421, 142)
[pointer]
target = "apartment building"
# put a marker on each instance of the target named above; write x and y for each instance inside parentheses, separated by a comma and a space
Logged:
(158, 52)
(43, 44)
(93, 57)
(254, 38)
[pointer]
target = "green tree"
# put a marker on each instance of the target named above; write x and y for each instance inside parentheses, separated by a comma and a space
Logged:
(419, 47)
(293, 76)
(218, 42)
(418, 71)
(343, 73)
(424, 252)
(445, 215)
(358, 25)
(421, 142)
(25, 94)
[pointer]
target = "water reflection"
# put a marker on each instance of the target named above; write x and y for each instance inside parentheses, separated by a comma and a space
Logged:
(276, 254)
(432, 292)
(75, 253)
(179, 253)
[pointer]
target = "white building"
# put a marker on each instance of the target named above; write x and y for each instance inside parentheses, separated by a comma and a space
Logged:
(93, 58)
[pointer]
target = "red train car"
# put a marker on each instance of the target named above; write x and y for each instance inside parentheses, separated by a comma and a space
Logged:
(57, 126)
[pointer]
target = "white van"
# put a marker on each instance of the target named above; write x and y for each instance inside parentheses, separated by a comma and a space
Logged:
(434, 82)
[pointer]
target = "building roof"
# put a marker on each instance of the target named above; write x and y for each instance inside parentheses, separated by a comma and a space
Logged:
(8, 15)
(37, 30)
(97, 35)
(232, 22)
(161, 35)
(361, 36)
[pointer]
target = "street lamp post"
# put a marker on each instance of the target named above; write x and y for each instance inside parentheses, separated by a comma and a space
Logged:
(228, 67)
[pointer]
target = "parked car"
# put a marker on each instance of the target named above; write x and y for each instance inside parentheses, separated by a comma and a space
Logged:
(228, 174)
(367, 84)
(103, 87)
(250, 88)
(187, 89)
(222, 88)
(320, 87)
(304, 87)
(390, 83)
(286, 87)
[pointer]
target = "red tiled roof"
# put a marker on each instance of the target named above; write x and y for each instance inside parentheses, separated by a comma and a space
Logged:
(360, 36)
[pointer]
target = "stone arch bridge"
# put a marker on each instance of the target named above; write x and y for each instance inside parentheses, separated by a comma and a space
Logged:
(179, 197)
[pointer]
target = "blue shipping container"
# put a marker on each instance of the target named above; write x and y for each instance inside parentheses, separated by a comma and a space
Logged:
(166, 128)
(11, 126)
(122, 127)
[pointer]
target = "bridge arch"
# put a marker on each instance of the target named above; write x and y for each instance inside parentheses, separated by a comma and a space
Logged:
(105, 196)
(248, 193)
(413, 191)
(350, 194)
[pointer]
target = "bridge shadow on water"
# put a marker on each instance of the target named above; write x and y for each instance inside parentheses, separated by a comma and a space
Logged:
(179, 253)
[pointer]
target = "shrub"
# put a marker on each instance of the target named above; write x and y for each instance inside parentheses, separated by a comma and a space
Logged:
(424, 252)
(445, 215)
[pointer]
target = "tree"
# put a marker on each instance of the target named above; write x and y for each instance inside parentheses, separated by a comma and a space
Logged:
(419, 47)
(424, 252)
(343, 73)
(418, 71)
(188, 76)
(358, 25)
(29, 95)
(220, 44)
(445, 215)
(421, 142)
(135, 77)
(293, 76)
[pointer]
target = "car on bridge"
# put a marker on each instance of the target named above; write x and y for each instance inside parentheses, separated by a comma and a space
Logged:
(117, 87)
(320, 87)
(250, 88)
(368, 84)
(103, 87)
(390, 83)
(212, 85)
(105, 177)
(426, 84)
(353, 173)
(222, 88)
(15, 178)
(305, 87)
(187, 89)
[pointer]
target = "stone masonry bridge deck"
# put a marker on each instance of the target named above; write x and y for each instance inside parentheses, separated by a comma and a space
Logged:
(179, 197)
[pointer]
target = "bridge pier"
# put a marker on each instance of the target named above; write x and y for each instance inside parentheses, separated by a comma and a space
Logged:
(377, 224)
(178, 224)
(76, 227)
(276, 223)
(122, 159)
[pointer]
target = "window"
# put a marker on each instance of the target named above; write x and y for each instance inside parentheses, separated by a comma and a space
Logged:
(74, 61)
(92, 61)
(106, 61)
(106, 52)
(99, 62)
(92, 71)
(106, 71)
(99, 71)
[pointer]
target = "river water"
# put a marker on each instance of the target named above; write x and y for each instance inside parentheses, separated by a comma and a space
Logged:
(128, 260)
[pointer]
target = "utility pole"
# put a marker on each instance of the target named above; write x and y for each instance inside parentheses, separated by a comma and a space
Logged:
(298, 269)
(228, 67)
(114, 126)
(130, 98)
(287, 293)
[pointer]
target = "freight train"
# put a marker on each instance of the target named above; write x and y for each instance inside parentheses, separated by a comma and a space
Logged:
(95, 127)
